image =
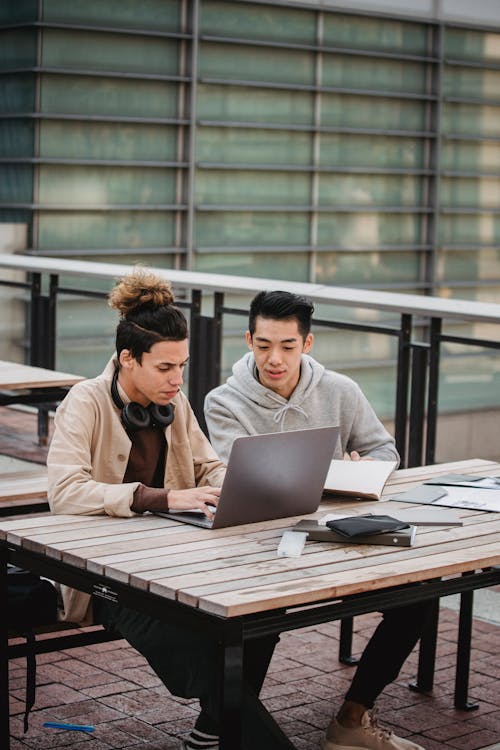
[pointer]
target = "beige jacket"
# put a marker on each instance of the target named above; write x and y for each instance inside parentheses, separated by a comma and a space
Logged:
(89, 454)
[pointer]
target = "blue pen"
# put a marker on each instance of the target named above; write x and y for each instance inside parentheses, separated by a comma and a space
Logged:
(75, 727)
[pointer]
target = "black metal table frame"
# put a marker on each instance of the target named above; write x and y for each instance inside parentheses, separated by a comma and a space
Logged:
(44, 399)
(228, 634)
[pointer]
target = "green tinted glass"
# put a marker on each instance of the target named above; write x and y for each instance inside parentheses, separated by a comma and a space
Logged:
(380, 75)
(470, 119)
(366, 112)
(382, 34)
(86, 50)
(369, 190)
(366, 268)
(472, 82)
(102, 186)
(228, 61)
(481, 264)
(289, 266)
(264, 22)
(471, 156)
(252, 146)
(246, 228)
(101, 229)
(16, 138)
(368, 230)
(17, 48)
(120, 141)
(101, 96)
(469, 44)
(16, 183)
(248, 188)
(254, 105)
(345, 149)
(469, 228)
(17, 93)
(19, 11)
(484, 192)
(152, 14)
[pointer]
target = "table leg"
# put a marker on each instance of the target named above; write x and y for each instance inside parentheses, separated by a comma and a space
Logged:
(463, 652)
(4, 657)
(427, 654)
(232, 689)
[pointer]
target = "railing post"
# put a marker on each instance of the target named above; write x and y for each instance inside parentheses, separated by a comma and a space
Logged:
(417, 404)
(403, 376)
(205, 354)
(43, 323)
(433, 387)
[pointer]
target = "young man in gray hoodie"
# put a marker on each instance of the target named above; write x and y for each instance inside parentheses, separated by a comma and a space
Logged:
(277, 386)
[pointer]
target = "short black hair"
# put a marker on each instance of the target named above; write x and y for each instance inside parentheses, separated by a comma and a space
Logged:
(279, 305)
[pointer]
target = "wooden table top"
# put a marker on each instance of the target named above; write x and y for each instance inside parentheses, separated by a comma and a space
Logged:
(14, 376)
(236, 571)
(23, 485)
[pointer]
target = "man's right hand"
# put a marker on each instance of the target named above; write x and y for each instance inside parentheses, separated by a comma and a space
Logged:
(197, 498)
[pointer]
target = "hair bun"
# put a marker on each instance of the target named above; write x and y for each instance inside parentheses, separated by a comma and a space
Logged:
(138, 289)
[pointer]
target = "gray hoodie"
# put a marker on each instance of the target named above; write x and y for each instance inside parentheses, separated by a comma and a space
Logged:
(322, 398)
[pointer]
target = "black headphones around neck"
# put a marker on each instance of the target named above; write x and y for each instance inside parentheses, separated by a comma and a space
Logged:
(134, 416)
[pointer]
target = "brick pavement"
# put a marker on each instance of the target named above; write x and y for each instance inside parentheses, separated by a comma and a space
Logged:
(112, 687)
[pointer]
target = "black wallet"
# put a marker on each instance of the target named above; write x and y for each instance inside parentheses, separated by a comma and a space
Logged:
(368, 524)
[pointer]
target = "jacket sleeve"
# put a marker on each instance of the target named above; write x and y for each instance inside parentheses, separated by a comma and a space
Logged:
(368, 435)
(223, 426)
(190, 446)
(72, 485)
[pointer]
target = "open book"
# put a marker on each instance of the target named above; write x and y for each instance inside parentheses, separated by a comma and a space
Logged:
(363, 479)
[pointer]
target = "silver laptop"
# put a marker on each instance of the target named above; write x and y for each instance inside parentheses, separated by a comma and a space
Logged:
(270, 476)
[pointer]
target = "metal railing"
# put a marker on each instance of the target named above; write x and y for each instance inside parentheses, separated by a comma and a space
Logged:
(418, 360)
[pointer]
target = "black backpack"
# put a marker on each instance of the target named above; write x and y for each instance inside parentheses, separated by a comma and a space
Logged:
(31, 601)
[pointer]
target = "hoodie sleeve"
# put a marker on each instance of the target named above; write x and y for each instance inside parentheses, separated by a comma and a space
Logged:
(367, 434)
(223, 426)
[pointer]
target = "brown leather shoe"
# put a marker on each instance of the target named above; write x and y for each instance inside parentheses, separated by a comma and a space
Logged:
(368, 736)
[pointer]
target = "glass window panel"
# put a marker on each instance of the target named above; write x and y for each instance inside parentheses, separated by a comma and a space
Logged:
(16, 183)
(472, 82)
(470, 44)
(102, 186)
(17, 93)
(470, 119)
(140, 229)
(345, 149)
(114, 52)
(252, 188)
(120, 141)
(470, 156)
(229, 61)
(367, 112)
(364, 73)
(262, 22)
(470, 381)
(463, 229)
(482, 264)
(101, 96)
(369, 190)
(289, 266)
(366, 268)
(18, 12)
(16, 138)
(368, 230)
(473, 294)
(382, 34)
(481, 192)
(245, 228)
(17, 48)
(239, 104)
(252, 146)
(154, 14)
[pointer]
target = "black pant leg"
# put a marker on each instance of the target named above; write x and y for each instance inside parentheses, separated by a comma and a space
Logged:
(388, 648)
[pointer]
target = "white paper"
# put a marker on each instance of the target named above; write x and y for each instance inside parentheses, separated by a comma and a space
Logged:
(472, 498)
